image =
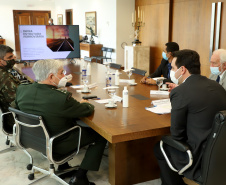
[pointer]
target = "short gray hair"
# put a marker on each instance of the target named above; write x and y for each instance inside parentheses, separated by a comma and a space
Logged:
(221, 53)
(42, 68)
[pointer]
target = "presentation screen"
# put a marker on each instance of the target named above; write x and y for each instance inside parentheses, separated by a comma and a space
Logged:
(49, 42)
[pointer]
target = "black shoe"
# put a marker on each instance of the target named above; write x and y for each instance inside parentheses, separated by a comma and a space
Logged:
(63, 167)
(80, 181)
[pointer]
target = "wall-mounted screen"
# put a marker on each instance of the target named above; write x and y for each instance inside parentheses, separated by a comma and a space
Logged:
(49, 42)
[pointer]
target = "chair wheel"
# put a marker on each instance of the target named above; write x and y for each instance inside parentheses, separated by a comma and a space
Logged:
(29, 166)
(31, 176)
(7, 142)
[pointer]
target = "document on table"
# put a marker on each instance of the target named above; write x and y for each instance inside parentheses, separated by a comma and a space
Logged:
(159, 92)
(156, 78)
(126, 80)
(159, 102)
(116, 98)
(160, 106)
(81, 86)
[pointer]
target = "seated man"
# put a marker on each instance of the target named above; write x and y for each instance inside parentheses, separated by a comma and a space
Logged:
(194, 104)
(218, 67)
(165, 66)
(8, 83)
(59, 111)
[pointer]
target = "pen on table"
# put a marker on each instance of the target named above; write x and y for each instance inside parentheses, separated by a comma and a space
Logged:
(150, 106)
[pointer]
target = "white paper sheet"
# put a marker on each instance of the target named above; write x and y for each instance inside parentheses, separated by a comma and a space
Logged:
(159, 92)
(81, 86)
(159, 102)
(160, 109)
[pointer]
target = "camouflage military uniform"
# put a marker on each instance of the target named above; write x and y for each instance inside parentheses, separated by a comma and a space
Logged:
(8, 86)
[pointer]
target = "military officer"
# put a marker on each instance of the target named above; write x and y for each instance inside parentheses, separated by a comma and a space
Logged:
(8, 83)
(59, 110)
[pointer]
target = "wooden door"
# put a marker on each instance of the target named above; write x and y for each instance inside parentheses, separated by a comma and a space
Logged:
(69, 16)
(155, 33)
(27, 17)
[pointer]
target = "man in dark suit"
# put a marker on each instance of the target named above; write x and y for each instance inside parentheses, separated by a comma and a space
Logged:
(194, 103)
(59, 111)
(165, 66)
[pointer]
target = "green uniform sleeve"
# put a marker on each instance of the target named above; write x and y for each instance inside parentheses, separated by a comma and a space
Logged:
(75, 109)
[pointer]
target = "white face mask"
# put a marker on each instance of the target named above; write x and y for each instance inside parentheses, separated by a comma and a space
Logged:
(215, 70)
(64, 80)
(173, 78)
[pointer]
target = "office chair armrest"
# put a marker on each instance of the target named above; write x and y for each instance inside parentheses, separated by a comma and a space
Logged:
(6, 113)
(181, 146)
(66, 131)
(62, 133)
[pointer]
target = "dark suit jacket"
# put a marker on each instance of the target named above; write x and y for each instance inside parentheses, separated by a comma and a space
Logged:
(162, 70)
(57, 108)
(194, 105)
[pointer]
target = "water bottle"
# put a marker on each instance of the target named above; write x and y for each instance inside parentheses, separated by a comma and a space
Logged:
(108, 79)
(88, 69)
(84, 74)
(116, 77)
(125, 97)
(84, 70)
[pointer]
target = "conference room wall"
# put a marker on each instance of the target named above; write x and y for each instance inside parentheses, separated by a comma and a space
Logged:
(189, 24)
(6, 15)
(155, 33)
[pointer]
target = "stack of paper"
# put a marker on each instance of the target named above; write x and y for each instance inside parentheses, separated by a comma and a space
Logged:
(160, 106)
(81, 86)
(116, 98)
(159, 92)
(126, 80)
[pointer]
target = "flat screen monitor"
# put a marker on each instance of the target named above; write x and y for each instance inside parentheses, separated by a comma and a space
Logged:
(49, 42)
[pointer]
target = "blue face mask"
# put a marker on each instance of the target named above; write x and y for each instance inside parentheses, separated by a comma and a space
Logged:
(215, 70)
(164, 56)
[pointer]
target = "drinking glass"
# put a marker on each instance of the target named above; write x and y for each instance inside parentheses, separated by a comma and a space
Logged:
(85, 81)
(129, 72)
(159, 82)
(111, 93)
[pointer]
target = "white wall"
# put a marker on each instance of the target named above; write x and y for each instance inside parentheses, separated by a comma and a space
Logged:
(113, 19)
(105, 17)
(124, 30)
(6, 15)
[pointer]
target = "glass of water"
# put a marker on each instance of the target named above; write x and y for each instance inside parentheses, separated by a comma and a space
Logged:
(111, 93)
(129, 72)
(159, 82)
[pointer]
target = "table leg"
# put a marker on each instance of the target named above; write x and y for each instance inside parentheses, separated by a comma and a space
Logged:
(133, 162)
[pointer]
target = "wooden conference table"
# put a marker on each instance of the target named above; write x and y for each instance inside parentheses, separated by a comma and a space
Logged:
(132, 132)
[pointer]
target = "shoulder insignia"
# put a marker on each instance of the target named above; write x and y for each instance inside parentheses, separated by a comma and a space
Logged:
(61, 90)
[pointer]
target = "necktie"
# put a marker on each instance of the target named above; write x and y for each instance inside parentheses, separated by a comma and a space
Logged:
(169, 68)
(218, 79)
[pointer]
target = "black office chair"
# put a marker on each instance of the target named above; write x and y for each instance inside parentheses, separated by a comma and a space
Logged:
(116, 66)
(139, 71)
(102, 53)
(31, 133)
(213, 165)
(7, 129)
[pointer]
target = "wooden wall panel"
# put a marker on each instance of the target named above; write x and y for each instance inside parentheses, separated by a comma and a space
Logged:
(191, 28)
(156, 29)
(186, 22)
